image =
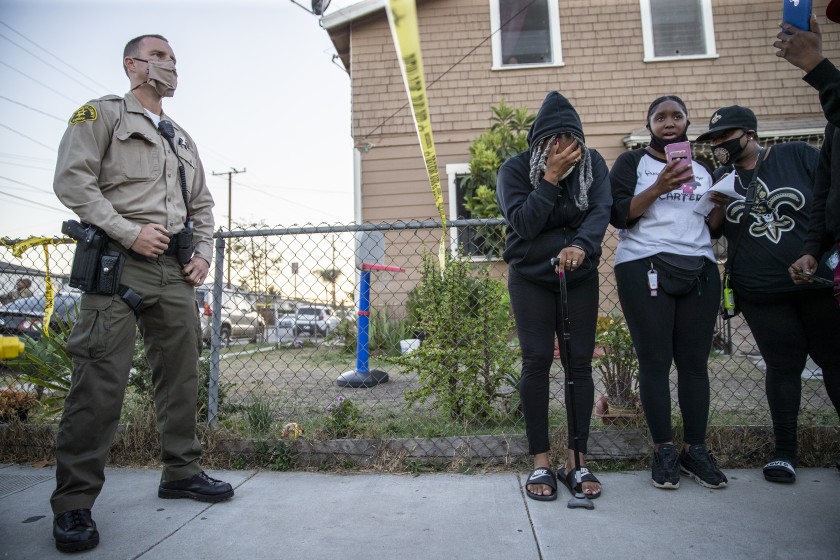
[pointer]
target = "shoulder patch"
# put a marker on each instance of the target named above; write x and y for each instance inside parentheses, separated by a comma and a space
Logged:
(84, 114)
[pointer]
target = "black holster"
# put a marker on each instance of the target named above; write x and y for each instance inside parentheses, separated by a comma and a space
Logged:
(96, 269)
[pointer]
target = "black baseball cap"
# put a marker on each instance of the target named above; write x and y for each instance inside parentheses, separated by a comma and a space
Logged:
(727, 118)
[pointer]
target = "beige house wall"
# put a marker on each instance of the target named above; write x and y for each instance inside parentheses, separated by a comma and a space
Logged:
(603, 74)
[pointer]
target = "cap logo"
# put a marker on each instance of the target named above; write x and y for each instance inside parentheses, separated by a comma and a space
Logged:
(715, 118)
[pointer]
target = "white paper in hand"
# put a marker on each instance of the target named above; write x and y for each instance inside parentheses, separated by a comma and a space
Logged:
(725, 186)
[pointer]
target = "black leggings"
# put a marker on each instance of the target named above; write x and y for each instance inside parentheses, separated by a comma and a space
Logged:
(539, 319)
(786, 333)
(668, 328)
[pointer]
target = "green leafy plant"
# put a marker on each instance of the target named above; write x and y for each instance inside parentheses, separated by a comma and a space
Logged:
(276, 456)
(385, 332)
(618, 363)
(506, 137)
(259, 413)
(343, 418)
(465, 357)
(47, 365)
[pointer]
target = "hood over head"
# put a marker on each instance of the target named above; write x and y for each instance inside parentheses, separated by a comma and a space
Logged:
(556, 115)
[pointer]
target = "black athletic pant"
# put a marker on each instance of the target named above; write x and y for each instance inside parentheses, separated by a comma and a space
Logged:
(786, 333)
(539, 319)
(668, 328)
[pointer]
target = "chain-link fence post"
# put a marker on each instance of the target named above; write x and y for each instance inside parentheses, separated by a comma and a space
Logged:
(215, 339)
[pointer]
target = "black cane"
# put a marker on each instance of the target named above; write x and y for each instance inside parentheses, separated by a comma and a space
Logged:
(579, 499)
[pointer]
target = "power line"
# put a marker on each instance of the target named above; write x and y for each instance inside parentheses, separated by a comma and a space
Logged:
(39, 189)
(37, 205)
(32, 108)
(51, 54)
(460, 60)
(27, 137)
(42, 84)
(26, 166)
(21, 156)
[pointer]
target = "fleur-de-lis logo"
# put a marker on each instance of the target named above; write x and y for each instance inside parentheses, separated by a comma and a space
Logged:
(715, 118)
(766, 217)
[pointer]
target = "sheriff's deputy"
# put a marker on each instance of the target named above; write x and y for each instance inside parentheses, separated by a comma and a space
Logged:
(118, 171)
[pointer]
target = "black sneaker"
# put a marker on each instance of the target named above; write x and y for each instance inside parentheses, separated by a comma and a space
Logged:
(665, 471)
(198, 487)
(699, 465)
(75, 531)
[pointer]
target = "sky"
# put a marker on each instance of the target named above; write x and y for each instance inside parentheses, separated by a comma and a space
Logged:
(257, 90)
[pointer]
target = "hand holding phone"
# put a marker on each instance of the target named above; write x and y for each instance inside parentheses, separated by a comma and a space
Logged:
(812, 278)
(682, 151)
(797, 13)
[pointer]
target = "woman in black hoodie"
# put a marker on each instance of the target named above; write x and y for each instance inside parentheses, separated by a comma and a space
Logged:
(556, 200)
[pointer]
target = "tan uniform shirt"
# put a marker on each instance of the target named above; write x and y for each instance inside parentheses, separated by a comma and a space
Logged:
(117, 172)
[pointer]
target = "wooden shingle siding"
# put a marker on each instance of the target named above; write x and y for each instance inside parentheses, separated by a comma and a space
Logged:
(604, 75)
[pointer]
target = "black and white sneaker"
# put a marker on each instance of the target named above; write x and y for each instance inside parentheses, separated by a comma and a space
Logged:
(665, 470)
(700, 465)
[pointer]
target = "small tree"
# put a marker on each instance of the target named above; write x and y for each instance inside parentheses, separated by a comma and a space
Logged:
(465, 356)
(256, 260)
(330, 276)
(506, 137)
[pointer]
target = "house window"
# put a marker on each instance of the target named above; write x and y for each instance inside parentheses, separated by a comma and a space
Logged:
(677, 29)
(478, 242)
(526, 33)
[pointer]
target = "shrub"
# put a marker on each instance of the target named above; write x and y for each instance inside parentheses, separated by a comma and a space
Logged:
(465, 357)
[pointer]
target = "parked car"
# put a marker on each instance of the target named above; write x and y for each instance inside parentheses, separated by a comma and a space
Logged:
(25, 316)
(239, 317)
(313, 320)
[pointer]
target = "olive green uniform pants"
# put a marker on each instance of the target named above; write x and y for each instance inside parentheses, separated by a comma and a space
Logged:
(102, 346)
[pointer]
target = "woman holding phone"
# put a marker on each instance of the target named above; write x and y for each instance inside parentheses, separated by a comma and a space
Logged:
(555, 198)
(669, 288)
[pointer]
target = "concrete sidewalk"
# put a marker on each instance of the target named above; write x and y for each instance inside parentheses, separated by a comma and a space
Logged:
(302, 515)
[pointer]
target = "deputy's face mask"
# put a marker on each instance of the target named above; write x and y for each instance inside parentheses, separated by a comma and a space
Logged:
(727, 152)
(162, 76)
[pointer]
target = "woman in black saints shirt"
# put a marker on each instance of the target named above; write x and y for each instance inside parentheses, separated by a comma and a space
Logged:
(788, 321)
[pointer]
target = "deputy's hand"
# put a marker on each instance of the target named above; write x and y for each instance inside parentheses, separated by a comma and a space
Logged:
(570, 258)
(799, 47)
(196, 271)
(673, 176)
(560, 160)
(152, 241)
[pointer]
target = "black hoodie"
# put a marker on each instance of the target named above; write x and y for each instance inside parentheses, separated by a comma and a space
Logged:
(543, 221)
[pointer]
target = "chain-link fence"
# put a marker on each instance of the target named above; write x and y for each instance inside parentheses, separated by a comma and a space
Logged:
(346, 343)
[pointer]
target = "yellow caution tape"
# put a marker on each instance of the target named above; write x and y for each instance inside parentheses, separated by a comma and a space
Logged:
(19, 248)
(402, 15)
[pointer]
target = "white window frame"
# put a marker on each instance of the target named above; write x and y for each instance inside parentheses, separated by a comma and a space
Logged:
(453, 170)
(708, 26)
(554, 33)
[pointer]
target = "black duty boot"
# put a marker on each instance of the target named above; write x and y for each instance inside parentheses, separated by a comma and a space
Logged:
(198, 487)
(75, 531)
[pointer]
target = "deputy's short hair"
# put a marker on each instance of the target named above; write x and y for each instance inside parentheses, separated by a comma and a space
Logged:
(132, 48)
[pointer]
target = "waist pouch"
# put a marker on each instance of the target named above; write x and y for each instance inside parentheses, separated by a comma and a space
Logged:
(678, 274)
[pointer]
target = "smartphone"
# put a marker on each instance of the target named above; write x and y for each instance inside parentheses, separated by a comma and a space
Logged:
(797, 13)
(681, 150)
(817, 279)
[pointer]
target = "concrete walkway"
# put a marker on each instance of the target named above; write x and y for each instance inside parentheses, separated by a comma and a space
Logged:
(302, 515)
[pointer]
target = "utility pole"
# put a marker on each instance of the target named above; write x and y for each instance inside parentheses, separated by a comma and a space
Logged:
(230, 175)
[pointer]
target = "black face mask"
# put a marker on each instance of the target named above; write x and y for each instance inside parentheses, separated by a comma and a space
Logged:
(727, 152)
